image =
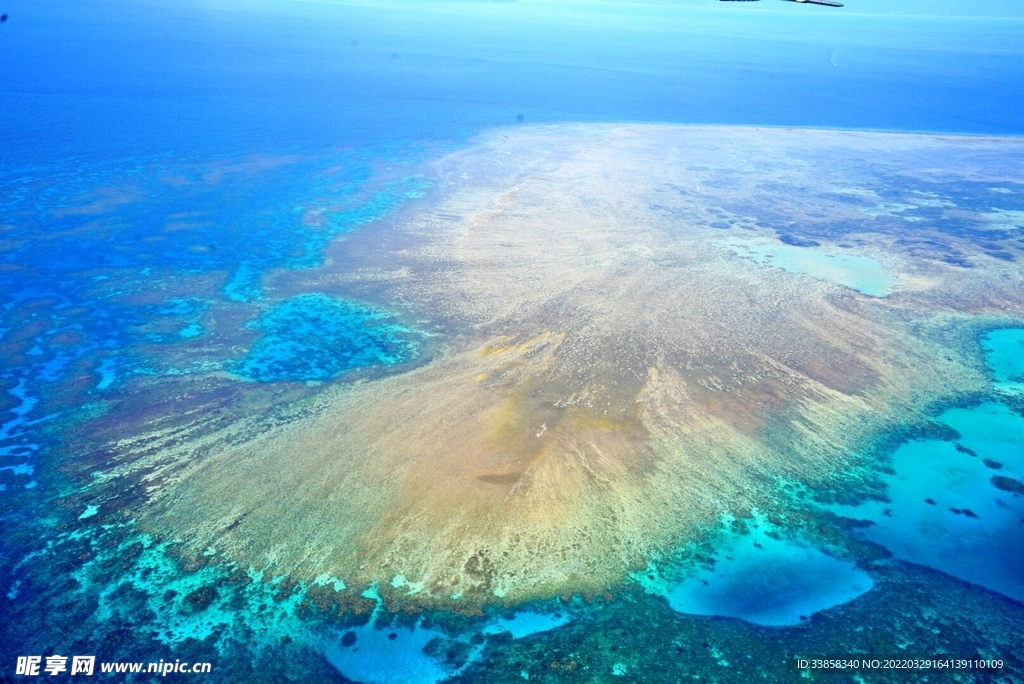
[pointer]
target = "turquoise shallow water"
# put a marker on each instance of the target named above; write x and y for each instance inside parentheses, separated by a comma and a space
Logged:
(763, 579)
(1004, 351)
(859, 273)
(524, 623)
(958, 505)
(315, 337)
(387, 656)
(944, 509)
(384, 652)
(160, 159)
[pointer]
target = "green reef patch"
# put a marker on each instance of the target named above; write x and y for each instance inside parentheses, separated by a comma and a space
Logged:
(314, 337)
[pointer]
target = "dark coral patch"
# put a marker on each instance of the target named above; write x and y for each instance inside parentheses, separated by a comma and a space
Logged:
(1008, 484)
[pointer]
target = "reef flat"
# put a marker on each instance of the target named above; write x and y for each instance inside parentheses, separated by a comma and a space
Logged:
(629, 349)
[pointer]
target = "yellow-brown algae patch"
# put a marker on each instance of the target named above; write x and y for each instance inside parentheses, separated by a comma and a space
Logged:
(616, 377)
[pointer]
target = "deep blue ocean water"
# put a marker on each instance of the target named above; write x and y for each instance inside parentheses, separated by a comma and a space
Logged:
(158, 159)
(102, 80)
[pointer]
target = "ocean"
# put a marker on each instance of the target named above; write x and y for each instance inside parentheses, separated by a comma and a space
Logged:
(172, 179)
